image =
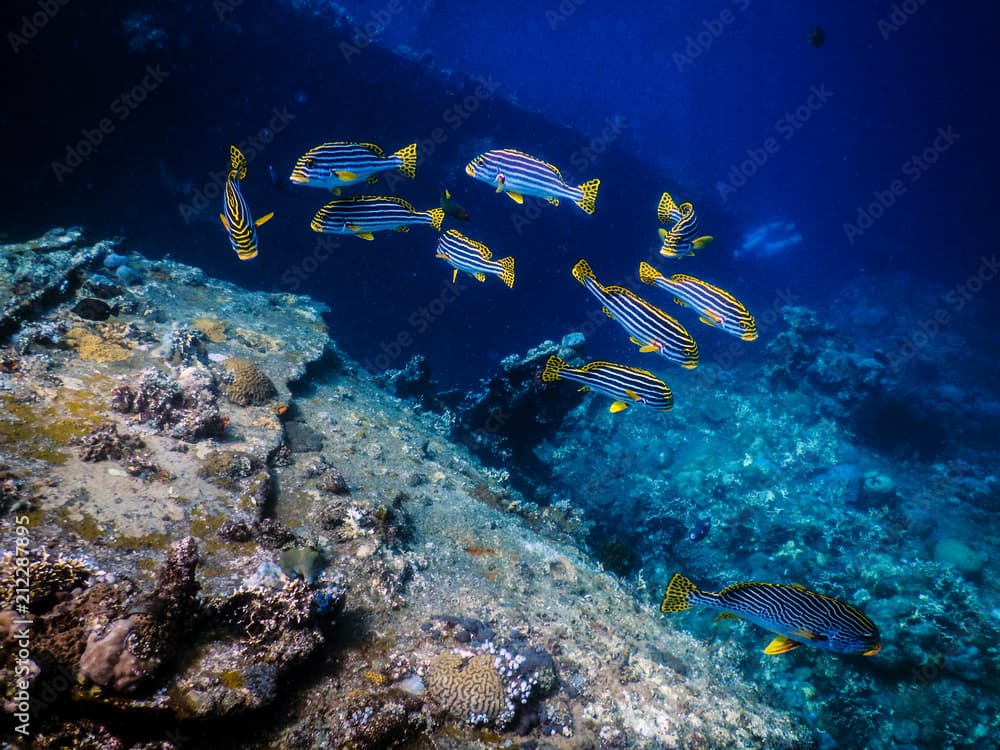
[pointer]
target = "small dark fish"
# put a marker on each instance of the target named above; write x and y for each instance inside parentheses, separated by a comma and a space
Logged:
(452, 208)
(91, 308)
(817, 36)
(700, 530)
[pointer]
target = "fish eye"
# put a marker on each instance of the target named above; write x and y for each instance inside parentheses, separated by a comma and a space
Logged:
(310, 163)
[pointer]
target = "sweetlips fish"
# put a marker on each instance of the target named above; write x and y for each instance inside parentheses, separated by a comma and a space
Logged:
(715, 307)
(798, 615)
(361, 215)
(626, 385)
(337, 163)
(473, 257)
(518, 174)
(680, 240)
(235, 216)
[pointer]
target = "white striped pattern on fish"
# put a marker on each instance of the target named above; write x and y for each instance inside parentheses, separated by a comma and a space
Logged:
(473, 257)
(648, 326)
(235, 216)
(361, 215)
(795, 613)
(624, 384)
(680, 239)
(518, 174)
(337, 163)
(715, 307)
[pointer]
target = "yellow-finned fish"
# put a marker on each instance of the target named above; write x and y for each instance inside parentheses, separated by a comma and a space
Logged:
(795, 613)
(626, 385)
(715, 307)
(680, 239)
(337, 163)
(518, 174)
(648, 327)
(235, 216)
(473, 257)
(363, 214)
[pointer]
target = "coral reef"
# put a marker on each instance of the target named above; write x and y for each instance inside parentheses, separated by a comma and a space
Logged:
(246, 384)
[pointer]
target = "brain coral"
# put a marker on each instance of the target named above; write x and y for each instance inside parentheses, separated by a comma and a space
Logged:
(468, 690)
(247, 385)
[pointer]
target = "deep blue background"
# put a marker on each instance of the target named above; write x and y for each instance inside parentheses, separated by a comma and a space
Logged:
(696, 85)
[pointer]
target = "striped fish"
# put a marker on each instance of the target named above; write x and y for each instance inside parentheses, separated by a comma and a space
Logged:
(518, 174)
(338, 163)
(473, 257)
(680, 239)
(715, 307)
(363, 214)
(235, 216)
(648, 327)
(796, 614)
(624, 384)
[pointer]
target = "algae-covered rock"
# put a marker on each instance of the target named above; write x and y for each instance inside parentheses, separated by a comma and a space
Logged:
(966, 560)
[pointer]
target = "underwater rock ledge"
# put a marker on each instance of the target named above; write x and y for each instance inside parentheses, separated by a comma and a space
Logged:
(195, 561)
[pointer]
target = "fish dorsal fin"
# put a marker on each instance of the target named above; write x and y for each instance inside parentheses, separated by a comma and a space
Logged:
(597, 364)
(377, 150)
(583, 389)
(781, 645)
(392, 199)
(553, 167)
(745, 585)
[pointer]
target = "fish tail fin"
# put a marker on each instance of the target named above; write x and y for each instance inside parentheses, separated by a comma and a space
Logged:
(409, 156)
(665, 208)
(589, 200)
(507, 276)
(437, 216)
(238, 162)
(553, 369)
(648, 274)
(582, 271)
(678, 595)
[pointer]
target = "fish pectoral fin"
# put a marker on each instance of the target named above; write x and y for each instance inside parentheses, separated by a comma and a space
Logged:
(516, 197)
(647, 348)
(553, 201)
(264, 219)
(225, 223)
(365, 235)
(781, 645)
(345, 175)
(617, 406)
(725, 616)
(708, 321)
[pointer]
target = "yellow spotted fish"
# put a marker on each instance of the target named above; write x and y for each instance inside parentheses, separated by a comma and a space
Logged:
(473, 257)
(626, 385)
(235, 216)
(795, 613)
(715, 307)
(337, 163)
(680, 239)
(518, 174)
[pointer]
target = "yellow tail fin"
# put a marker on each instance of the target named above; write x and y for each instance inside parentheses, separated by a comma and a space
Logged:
(678, 595)
(553, 369)
(507, 277)
(589, 200)
(409, 156)
(665, 208)
(238, 162)
(437, 216)
(583, 271)
(648, 274)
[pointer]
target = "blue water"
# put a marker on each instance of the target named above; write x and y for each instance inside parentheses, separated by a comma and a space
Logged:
(872, 156)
